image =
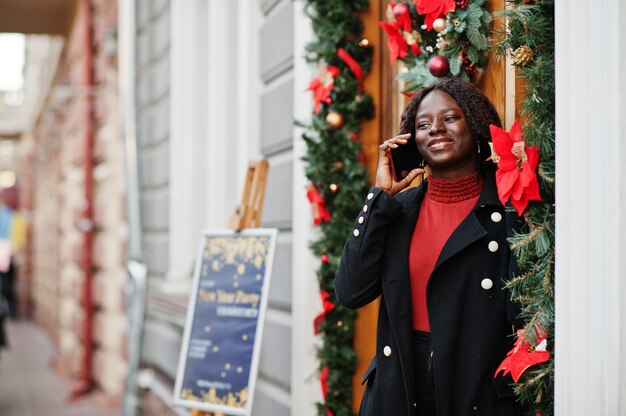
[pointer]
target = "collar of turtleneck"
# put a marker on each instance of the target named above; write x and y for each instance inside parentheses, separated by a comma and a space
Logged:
(449, 191)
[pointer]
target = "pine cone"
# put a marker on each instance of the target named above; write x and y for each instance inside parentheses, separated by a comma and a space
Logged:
(522, 55)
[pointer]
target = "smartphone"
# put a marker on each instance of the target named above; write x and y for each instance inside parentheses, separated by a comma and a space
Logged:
(404, 159)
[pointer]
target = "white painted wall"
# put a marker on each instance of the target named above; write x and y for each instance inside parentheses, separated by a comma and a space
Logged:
(590, 348)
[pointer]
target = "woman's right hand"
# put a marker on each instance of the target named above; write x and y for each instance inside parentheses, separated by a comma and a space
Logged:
(384, 177)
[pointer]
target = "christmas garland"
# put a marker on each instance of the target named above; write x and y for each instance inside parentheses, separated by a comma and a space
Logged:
(338, 177)
(457, 45)
(530, 42)
(436, 38)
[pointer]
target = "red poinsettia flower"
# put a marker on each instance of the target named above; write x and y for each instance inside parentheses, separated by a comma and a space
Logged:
(401, 35)
(328, 306)
(322, 85)
(516, 178)
(523, 356)
(434, 9)
(318, 205)
(396, 42)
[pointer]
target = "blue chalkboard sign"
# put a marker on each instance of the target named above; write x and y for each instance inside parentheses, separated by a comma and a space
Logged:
(220, 349)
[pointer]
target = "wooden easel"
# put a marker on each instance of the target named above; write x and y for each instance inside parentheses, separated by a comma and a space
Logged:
(248, 212)
(247, 215)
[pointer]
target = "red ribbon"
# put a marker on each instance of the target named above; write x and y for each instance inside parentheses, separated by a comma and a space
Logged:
(324, 382)
(328, 306)
(353, 65)
(318, 205)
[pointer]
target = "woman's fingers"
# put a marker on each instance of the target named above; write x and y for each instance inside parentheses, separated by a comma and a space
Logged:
(409, 178)
(394, 142)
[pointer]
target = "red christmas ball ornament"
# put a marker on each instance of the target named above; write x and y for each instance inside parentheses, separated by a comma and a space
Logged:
(439, 66)
(324, 258)
(400, 9)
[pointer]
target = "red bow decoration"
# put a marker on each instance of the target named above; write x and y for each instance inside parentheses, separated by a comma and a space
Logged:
(328, 306)
(353, 65)
(401, 35)
(523, 356)
(361, 154)
(433, 9)
(322, 86)
(318, 205)
(516, 178)
(324, 382)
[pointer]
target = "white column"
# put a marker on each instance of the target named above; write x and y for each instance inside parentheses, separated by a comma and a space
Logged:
(590, 345)
(223, 178)
(185, 131)
(305, 387)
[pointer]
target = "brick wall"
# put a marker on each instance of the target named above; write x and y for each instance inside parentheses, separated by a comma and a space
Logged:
(58, 201)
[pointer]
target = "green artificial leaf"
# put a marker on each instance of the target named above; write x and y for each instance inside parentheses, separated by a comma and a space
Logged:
(486, 18)
(455, 65)
(477, 39)
(473, 54)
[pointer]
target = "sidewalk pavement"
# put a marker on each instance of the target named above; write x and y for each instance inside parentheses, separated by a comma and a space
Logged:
(29, 386)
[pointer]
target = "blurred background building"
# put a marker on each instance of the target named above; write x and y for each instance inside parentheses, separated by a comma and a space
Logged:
(212, 87)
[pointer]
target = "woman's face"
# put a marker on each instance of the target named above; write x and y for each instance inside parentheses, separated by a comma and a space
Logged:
(443, 137)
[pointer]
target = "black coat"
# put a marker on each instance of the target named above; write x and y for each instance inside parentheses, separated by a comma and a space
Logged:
(470, 327)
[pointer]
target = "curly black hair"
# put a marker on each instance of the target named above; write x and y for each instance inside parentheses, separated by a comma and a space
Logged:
(478, 110)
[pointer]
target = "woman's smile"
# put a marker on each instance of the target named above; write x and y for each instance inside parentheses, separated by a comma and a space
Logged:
(443, 137)
(440, 144)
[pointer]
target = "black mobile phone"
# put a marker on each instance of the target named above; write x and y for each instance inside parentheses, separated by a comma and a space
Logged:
(404, 159)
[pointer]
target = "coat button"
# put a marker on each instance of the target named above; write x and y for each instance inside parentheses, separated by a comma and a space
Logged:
(496, 217)
(356, 232)
(414, 404)
(370, 195)
(361, 219)
(387, 351)
(493, 246)
(486, 284)
(365, 208)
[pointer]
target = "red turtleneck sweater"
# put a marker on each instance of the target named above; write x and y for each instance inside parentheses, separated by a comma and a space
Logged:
(445, 205)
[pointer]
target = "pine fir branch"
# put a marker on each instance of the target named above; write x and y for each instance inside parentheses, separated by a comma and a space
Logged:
(532, 26)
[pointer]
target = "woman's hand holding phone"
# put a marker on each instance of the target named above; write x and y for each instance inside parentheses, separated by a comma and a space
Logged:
(385, 179)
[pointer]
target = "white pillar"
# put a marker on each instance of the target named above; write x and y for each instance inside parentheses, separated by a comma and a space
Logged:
(305, 387)
(590, 348)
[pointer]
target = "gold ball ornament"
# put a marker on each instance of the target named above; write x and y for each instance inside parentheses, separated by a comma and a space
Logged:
(439, 24)
(522, 55)
(334, 119)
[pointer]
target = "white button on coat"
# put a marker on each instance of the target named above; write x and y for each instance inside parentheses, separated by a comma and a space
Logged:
(361, 219)
(496, 217)
(356, 232)
(370, 195)
(493, 246)
(387, 351)
(365, 208)
(486, 283)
